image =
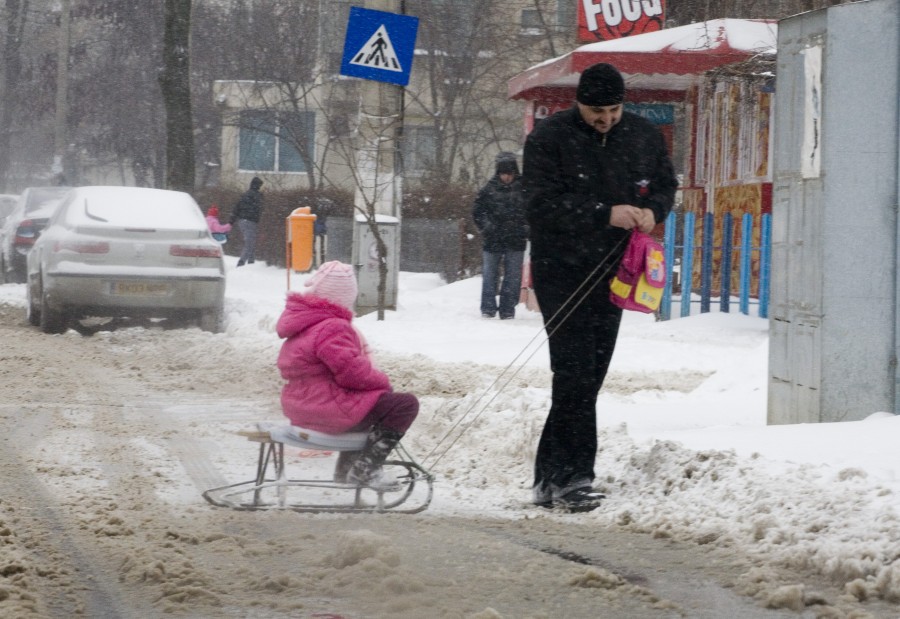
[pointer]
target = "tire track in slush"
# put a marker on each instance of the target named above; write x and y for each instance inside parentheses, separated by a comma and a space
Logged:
(77, 585)
(667, 577)
(191, 451)
(655, 569)
(72, 573)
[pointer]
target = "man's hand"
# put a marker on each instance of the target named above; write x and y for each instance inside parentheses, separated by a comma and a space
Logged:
(648, 220)
(625, 216)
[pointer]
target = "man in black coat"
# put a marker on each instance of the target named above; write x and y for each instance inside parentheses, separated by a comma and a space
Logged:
(592, 173)
(499, 214)
(246, 213)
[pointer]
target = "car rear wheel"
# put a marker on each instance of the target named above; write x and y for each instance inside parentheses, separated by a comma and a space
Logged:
(52, 321)
(16, 270)
(32, 309)
(212, 320)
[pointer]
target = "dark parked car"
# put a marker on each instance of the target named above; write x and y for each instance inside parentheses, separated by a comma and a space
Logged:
(22, 228)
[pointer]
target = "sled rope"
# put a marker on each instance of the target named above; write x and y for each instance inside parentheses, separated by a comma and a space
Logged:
(404, 453)
(555, 325)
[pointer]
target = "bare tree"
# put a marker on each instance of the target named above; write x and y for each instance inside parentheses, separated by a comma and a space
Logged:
(335, 159)
(176, 89)
(689, 11)
(116, 114)
(15, 12)
(467, 53)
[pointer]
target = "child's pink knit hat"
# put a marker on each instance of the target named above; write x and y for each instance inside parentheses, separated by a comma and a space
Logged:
(336, 282)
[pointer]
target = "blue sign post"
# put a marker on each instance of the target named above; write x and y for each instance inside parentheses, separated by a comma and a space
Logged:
(379, 46)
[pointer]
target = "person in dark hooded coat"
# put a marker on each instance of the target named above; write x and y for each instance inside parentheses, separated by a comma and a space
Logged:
(499, 214)
(246, 214)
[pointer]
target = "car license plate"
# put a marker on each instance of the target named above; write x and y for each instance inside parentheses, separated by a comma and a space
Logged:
(138, 289)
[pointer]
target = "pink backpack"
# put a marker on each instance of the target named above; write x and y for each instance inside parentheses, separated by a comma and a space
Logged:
(639, 282)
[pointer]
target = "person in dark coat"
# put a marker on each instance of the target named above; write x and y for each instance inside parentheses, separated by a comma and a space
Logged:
(246, 214)
(322, 210)
(592, 173)
(499, 214)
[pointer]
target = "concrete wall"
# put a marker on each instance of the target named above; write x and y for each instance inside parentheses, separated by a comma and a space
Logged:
(429, 245)
(832, 328)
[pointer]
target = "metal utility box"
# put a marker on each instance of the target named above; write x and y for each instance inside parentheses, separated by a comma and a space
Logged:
(833, 321)
(365, 259)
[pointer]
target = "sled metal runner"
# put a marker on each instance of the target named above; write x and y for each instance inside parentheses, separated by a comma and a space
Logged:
(273, 490)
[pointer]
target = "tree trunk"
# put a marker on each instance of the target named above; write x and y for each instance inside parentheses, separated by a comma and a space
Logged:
(382, 269)
(175, 84)
(10, 74)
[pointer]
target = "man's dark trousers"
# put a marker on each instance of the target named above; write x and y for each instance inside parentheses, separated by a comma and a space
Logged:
(581, 348)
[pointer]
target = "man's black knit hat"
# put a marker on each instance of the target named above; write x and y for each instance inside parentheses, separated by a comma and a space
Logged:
(505, 163)
(600, 85)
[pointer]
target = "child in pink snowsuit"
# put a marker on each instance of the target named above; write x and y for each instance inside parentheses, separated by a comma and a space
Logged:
(332, 385)
(212, 220)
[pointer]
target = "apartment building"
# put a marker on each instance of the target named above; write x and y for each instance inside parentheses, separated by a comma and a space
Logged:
(451, 118)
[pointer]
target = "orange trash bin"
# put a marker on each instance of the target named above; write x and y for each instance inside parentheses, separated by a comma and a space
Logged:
(299, 239)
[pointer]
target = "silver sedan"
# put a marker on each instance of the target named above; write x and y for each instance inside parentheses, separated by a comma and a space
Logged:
(125, 252)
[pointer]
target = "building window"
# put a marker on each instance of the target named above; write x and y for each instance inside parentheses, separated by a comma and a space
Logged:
(457, 69)
(532, 22)
(273, 141)
(566, 18)
(419, 149)
(457, 18)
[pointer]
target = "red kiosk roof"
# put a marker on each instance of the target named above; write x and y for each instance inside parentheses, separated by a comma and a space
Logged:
(670, 59)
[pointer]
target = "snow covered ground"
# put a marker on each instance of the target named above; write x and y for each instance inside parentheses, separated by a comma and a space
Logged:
(685, 452)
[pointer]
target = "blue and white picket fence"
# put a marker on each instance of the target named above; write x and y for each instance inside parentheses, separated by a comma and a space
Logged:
(686, 250)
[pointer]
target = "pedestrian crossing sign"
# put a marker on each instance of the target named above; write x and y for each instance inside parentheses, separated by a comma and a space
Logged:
(379, 46)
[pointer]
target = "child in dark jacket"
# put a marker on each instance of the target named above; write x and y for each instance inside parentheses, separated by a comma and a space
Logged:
(332, 385)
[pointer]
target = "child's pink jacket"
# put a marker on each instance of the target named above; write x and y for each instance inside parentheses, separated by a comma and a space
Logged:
(332, 383)
(215, 226)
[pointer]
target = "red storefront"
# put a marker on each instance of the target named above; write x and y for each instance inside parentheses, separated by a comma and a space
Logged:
(703, 86)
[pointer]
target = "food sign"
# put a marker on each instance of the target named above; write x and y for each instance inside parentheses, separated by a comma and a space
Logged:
(601, 20)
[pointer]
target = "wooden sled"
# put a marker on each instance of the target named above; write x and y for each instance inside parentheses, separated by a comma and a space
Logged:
(272, 489)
